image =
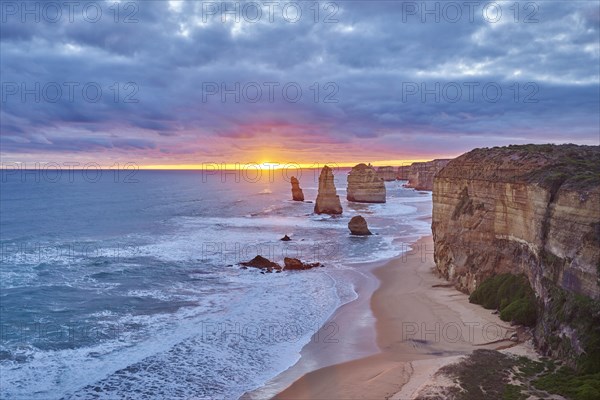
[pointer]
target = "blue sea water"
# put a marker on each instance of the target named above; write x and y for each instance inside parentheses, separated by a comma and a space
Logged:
(117, 286)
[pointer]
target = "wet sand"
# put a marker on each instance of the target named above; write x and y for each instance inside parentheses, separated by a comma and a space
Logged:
(421, 324)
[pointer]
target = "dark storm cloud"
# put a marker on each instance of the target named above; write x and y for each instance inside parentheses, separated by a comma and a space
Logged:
(153, 61)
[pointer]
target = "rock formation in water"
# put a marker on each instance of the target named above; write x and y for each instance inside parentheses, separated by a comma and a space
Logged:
(297, 194)
(358, 226)
(420, 174)
(364, 186)
(532, 210)
(328, 202)
(387, 173)
(268, 266)
(403, 172)
(296, 264)
(262, 263)
(285, 238)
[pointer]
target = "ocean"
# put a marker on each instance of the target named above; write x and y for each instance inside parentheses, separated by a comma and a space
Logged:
(127, 286)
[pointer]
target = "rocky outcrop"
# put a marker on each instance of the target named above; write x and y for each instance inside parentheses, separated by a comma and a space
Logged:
(358, 226)
(297, 194)
(364, 185)
(296, 264)
(420, 174)
(403, 172)
(532, 210)
(262, 263)
(328, 202)
(387, 173)
(267, 265)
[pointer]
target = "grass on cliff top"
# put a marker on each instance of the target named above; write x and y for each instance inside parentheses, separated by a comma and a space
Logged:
(575, 166)
(511, 295)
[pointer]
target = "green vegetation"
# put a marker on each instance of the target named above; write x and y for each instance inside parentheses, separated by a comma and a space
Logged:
(511, 295)
(568, 383)
(541, 148)
(513, 392)
(577, 167)
(581, 314)
(490, 374)
(483, 375)
(514, 298)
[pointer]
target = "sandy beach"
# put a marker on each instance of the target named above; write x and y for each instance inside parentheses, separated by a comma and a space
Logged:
(420, 325)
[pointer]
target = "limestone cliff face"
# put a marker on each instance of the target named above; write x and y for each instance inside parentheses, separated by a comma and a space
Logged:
(387, 173)
(328, 202)
(522, 209)
(364, 186)
(420, 174)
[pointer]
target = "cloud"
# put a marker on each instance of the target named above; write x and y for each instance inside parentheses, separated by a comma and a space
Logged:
(167, 78)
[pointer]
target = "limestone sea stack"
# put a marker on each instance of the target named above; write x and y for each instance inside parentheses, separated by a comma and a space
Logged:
(364, 185)
(387, 173)
(297, 194)
(328, 202)
(358, 226)
(420, 174)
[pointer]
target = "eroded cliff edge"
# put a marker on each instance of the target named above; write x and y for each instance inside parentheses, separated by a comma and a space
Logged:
(532, 210)
(420, 174)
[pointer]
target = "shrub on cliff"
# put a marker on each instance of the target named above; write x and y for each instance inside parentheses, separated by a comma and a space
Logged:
(521, 311)
(511, 295)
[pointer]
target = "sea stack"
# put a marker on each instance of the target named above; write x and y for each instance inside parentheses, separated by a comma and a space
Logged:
(387, 173)
(358, 226)
(365, 186)
(420, 174)
(297, 194)
(328, 202)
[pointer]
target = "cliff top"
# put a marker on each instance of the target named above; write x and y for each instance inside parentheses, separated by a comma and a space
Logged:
(549, 165)
(362, 167)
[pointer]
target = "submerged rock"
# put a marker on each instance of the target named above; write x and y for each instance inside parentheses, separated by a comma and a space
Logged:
(358, 226)
(328, 202)
(297, 194)
(365, 186)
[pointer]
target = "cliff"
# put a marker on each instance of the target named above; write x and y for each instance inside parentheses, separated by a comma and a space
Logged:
(532, 210)
(328, 202)
(420, 174)
(387, 173)
(365, 186)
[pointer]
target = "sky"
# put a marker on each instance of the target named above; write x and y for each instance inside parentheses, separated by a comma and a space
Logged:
(182, 83)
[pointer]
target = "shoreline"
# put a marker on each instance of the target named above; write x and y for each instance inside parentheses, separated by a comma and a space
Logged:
(420, 322)
(339, 339)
